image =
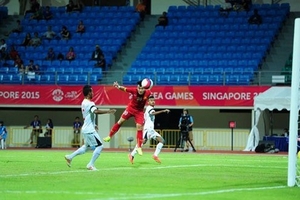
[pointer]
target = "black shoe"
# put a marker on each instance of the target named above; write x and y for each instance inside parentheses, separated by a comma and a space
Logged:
(186, 150)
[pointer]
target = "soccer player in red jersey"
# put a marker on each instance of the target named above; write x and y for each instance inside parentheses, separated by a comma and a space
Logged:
(135, 109)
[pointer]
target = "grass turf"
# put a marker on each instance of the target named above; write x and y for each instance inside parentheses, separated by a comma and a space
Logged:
(43, 174)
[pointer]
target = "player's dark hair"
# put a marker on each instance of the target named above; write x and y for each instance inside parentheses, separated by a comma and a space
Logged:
(139, 83)
(151, 96)
(86, 90)
(1, 122)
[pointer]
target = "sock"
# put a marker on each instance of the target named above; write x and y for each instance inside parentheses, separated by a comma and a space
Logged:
(79, 151)
(134, 151)
(114, 129)
(139, 138)
(95, 155)
(158, 148)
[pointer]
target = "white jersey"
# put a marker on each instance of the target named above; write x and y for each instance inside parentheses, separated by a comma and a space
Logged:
(149, 119)
(87, 108)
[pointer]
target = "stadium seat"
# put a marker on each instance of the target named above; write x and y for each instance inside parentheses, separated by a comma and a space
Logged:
(62, 79)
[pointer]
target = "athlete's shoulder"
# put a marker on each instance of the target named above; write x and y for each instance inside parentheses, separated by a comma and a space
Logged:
(149, 108)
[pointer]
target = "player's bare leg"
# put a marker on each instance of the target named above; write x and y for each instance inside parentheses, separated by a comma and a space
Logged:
(114, 129)
(139, 138)
(158, 149)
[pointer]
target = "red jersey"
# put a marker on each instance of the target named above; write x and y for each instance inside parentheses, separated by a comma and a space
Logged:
(137, 101)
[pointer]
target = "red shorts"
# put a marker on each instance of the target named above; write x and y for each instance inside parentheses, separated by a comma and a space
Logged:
(138, 116)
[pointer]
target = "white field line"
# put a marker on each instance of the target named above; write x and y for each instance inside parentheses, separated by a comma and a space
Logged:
(123, 196)
(131, 168)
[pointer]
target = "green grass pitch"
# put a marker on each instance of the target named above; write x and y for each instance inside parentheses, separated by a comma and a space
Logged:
(43, 174)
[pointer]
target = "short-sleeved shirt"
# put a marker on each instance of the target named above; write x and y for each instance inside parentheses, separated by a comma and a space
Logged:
(35, 124)
(137, 102)
(87, 108)
(149, 118)
(77, 125)
(3, 132)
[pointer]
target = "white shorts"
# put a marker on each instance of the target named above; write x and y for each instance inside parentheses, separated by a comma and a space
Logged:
(150, 134)
(90, 139)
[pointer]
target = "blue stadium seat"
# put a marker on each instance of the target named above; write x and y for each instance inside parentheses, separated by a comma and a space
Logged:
(63, 79)
(4, 70)
(60, 70)
(160, 70)
(215, 80)
(69, 70)
(194, 79)
(204, 79)
(82, 79)
(244, 79)
(78, 70)
(163, 79)
(94, 79)
(232, 80)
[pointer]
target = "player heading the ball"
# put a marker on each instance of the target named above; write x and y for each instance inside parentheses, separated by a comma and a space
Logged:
(135, 108)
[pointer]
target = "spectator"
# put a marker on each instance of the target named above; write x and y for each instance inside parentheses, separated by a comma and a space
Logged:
(33, 6)
(76, 129)
(163, 20)
(3, 44)
(101, 62)
(36, 40)
(225, 9)
(3, 135)
(285, 132)
(49, 128)
(65, 33)
(19, 64)
(96, 54)
(31, 67)
(70, 6)
(3, 54)
(246, 4)
(37, 14)
(47, 13)
(31, 70)
(60, 56)
(17, 29)
(80, 27)
(49, 34)
(186, 123)
(78, 6)
(141, 9)
(27, 40)
(36, 129)
(71, 54)
(13, 53)
(50, 54)
(255, 18)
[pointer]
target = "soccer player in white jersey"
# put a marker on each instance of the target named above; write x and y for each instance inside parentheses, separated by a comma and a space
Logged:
(149, 132)
(89, 129)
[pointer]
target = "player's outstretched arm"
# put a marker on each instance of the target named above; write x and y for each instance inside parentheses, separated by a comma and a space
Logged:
(99, 112)
(161, 111)
(116, 85)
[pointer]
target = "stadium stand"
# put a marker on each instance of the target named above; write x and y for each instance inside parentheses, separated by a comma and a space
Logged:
(108, 27)
(214, 49)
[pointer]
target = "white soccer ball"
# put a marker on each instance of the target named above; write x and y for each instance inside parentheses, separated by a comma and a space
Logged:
(147, 83)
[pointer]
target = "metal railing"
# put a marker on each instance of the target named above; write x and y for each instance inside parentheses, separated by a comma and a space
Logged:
(204, 139)
(187, 78)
